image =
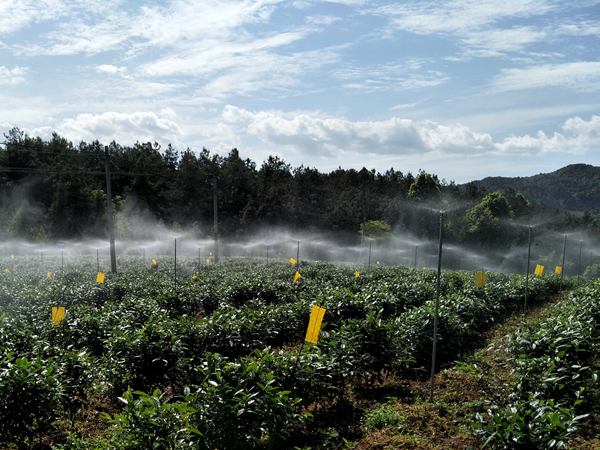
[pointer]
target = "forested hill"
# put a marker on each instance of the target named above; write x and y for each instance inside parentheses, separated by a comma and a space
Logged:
(55, 189)
(574, 188)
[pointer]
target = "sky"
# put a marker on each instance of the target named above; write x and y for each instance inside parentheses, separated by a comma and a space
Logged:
(463, 89)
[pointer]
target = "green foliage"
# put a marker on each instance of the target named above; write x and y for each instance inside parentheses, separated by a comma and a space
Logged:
(425, 187)
(238, 363)
(483, 222)
(245, 400)
(29, 399)
(383, 416)
(592, 272)
(375, 229)
(572, 188)
(151, 421)
(556, 378)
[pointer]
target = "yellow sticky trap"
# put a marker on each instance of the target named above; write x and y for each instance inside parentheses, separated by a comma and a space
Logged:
(195, 277)
(357, 274)
(50, 275)
(58, 315)
(292, 261)
(480, 279)
(100, 277)
(314, 324)
(558, 270)
(297, 276)
(7, 269)
(154, 262)
(539, 270)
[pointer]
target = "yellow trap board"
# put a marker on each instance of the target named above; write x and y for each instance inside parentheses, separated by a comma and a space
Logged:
(314, 324)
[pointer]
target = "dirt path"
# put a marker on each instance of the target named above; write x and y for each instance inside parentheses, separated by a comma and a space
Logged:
(461, 392)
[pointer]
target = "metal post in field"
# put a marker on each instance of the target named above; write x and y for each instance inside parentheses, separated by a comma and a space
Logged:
(109, 212)
(528, 265)
(436, 307)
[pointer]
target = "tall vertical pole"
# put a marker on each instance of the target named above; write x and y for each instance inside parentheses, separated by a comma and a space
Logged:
(580, 267)
(215, 220)
(437, 307)
(98, 260)
(267, 254)
(370, 250)
(62, 260)
(109, 212)
(527, 273)
(298, 256)
(199, 257)
(562, 267)
(416, 253)
(175, 263)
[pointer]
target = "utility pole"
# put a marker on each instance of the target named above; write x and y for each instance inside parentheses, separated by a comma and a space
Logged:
(175, 263)
(109, 212)
(437, 308)
(580, 267)
(215, 219)
(416, 253)
(562, 268)
(527, 275)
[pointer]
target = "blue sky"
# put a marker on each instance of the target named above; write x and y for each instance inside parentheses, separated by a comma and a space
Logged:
(464, 89)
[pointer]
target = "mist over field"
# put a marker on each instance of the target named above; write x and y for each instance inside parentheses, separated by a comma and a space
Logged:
(308, 224)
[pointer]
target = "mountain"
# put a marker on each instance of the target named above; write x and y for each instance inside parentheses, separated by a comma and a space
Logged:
(574, 188)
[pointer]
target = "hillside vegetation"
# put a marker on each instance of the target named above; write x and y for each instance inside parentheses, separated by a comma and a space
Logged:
(573, 188)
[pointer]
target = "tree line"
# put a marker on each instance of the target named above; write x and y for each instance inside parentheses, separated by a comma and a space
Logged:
(54, 189)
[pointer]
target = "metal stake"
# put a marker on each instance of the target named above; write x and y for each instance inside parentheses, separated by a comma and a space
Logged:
(580, 267)
(175, 263)
(416, 252)
(109, 212)
(562, 268)
(528, 265)
(437, 307)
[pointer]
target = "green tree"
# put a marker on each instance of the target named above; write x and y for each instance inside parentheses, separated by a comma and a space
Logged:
(484, 221)
(375, 229)
(425, 187)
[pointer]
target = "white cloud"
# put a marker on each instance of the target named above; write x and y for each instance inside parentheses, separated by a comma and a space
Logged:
(215, 43)
(583, 76)
(266, 72)
(214, 55)
(18, 14)
(124, 128)
(497, 41)
(488, 28)
(458, 17)
(179, 23)
(577, 136)
(109, 68)
(315, 134)
(12, 76)
(389, 77)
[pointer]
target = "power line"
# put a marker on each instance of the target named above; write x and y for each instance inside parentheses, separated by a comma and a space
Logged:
(30, 170)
